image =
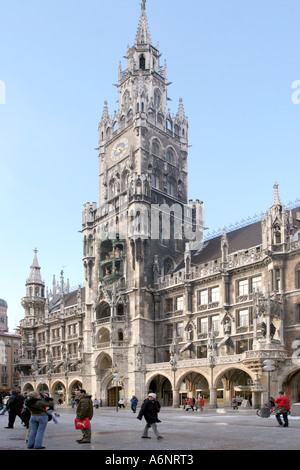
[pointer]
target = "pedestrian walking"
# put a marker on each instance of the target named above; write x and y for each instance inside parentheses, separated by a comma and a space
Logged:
(199, 404)
(149, 410)
(234, 403)
(84, 410)
(38, 420)
(189, 404)
(14, 405)
(51, 411)
(283, 408)
(133, 403)
(121, 403)
(5, 400)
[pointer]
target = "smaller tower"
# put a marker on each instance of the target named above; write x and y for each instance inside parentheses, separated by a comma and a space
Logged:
(275, 226)
(34, 301)
(3, 316)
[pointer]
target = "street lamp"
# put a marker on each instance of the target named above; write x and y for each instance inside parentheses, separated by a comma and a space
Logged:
(42, 381)
(117, 378)
(269, 366)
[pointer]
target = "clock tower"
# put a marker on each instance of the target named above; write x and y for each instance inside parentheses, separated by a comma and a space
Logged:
(139, 230)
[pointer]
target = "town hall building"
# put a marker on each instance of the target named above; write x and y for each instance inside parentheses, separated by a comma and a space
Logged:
(163, 308)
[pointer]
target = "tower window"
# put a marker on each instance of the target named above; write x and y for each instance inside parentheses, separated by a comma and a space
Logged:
(297, 277)
(157, 99)
(170, 156)
(170, 188)
(155, 148)
(155, 181)
(142, 62)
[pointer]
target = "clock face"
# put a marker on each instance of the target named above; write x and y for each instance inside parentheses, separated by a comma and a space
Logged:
(119, 149)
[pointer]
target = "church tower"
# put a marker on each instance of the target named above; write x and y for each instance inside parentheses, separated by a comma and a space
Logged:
(34, 300)
(140, 228)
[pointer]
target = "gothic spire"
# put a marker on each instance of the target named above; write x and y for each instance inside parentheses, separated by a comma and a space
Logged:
(180, 112)
(143, 32)
(35, 274)
(105, 115)
(276, 199)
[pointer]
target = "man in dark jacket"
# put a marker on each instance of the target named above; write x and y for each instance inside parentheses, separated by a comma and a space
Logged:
(14, 405)
(84, 410)
(149, 409)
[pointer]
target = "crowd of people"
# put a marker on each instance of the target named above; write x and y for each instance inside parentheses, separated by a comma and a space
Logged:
(193, 404)
(36, 409)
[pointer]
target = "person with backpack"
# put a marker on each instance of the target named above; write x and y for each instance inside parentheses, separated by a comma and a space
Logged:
(234, 403)
(14, 405)
(133, 403)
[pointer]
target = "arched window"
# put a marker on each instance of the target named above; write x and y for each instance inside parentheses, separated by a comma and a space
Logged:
(155, 180)
(125, 180)
(120, 309)
(297, 277)
(157, 98)
(102, 311)
(277, 234)
(120, 336)
(103, 336)
(170, 156)
(170, 187)
(168, 266)
(169, 125)
(142, 62)
(126, 100)
(155, 148)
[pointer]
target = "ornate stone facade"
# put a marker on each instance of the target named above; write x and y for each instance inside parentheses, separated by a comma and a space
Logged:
(166, 311)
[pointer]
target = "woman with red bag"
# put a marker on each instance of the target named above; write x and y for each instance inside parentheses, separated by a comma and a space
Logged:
(84, 410)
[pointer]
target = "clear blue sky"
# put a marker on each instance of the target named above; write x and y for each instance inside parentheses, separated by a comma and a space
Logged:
(232, 61)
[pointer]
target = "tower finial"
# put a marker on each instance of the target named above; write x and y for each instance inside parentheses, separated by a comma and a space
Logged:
(276, 199)
(143, 33)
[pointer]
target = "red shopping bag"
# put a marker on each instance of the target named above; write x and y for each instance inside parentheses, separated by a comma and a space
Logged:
(82, 423)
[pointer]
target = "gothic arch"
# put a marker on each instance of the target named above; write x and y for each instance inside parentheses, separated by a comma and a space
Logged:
(103, 362)
(76, 384)
(156, 147)
(103, 336)
(161, 385)
(126, 100)
(192, 376)
(168, 265)
(291, 383)
(171, 155)
(102, 310)
(42, 387)
(231, 373)
(59, 391)
(152, 377)
(157, 98)
(125, 180)
(28, 387)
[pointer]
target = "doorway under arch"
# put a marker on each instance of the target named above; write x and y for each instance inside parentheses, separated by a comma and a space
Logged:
(291, 386)
(234, 383)
(161, 385)
(193, 385)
